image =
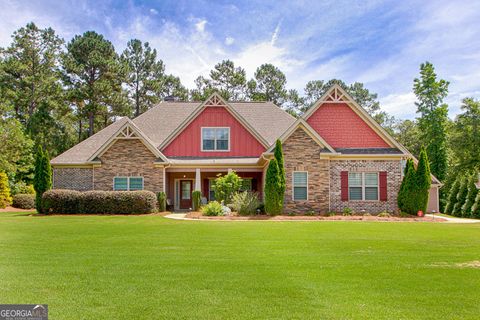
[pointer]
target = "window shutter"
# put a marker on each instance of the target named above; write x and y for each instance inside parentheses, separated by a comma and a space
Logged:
(344, 185)
(383, 185)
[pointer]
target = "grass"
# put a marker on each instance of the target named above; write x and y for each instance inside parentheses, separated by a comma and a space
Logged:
(149, 267)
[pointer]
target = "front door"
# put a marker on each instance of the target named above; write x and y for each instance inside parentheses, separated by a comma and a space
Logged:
(185, 194)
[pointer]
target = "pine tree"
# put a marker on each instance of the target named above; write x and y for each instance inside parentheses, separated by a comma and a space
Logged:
(43, 177)
(471, 196)
(476, 207)
(452, 196)
(461, 197)
(281, 169)
(273, 205)
(403, 193)
(422, 182)
(5, 198)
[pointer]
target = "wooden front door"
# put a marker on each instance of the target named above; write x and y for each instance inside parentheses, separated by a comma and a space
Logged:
(185, 194)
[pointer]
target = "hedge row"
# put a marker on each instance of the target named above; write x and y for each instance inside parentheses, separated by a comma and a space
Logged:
(24, 201)
(99, 202)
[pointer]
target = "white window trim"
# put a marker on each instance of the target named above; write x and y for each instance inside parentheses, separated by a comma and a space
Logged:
(293, 186)
(363, 186)
(128, 182)
(215, 140)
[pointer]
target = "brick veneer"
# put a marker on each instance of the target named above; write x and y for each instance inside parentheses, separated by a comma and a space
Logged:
(302, 153)
(80, 179)
(394, 179)
(128, 157)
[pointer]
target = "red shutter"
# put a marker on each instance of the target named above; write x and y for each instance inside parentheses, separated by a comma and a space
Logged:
(383, 185)
(344, 185)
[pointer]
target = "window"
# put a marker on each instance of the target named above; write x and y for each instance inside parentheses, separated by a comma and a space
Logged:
(363, 185)
(215, 139)
(300, 185)
(211, 191)
(246, 184)
(127, 183)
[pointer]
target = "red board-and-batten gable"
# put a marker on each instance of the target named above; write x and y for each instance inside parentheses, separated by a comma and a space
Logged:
(187, 143)
(342, 127)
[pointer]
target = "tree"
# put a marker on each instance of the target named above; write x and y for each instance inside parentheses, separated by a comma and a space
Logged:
(203, 91)
(422, 182)
(5, 198)
(452, 195)
(145, 75)
(476, 207)
(405, 193)
(407, 133)
(225, 186)
(43, 177)
(230, 81)
(461, 197)
(471, 196)
(278, 154)
(269, 85)
(172, 87)
(94, 74)
(433, 119)
(273, 204)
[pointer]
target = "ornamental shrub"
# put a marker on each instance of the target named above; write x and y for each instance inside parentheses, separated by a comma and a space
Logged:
(461, 197)
(406, 196)
(5, 197)
(476, 207)
(245, 203)
(23, 201)
(281, 168)
(423, 181)
(60, 201)
(273, 203)
(213, 208)
(226, 186)
(162, 201)
(196, 200)
(21, 187)
(471, 196)
(42, 180)
(452, 196)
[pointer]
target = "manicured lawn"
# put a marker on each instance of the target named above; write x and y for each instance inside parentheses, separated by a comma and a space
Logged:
(149, 267)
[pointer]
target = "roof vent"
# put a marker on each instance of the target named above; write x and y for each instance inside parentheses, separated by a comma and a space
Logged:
(169, 98)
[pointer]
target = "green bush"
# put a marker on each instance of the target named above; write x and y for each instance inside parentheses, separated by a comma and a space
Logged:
(42, 180)
(162, 201)
(471, 195)
(22, 188)
(476, 207)
(99, 202)
(226, 186)
(24, 201)
(196, 200)
(347, 211)
(273, 202)
(5, 198)
(384, 214)
(423, 182)
(245, 203)
(461, 197)
(405, 194)
(452, 196)
(213, 208)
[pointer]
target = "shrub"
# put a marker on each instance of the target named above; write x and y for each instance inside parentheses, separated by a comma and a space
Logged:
(347, 211)
(99, 202)
(423, 181)
(471, 195)
(196, 200)
(245, 203)
(226, 186)
(24, 201)
(384, 214)
(162, 201)
(5, 198)
(461, 197)
(278, 153)
(310, 213)
(452, 196)
(213, 208)
(476, 207)
(42, 180)
(405, 194)
(273, 203)
(22, 188)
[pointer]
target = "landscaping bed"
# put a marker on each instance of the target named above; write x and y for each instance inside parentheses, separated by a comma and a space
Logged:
(198, 215)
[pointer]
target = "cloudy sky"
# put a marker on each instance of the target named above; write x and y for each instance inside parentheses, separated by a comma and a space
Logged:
(379, 43)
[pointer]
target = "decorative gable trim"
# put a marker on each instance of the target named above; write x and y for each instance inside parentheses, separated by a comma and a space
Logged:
(337, 94)
(215, 100)
(302, 124)
(126, 132)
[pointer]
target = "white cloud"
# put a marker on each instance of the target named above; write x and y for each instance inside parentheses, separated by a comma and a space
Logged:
(153, 11)
(400, 105)
(229, 41)
(200, 25)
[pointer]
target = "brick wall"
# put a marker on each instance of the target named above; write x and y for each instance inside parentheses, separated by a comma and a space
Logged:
(393, 169)
(302, 153)
(128, 157)
(80, 179)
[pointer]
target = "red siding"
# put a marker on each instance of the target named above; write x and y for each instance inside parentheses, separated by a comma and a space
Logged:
(341, 127)
(344, 185)
(188, 142)
(383, 185)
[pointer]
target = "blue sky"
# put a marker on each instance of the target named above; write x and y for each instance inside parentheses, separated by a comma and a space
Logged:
(380, 43)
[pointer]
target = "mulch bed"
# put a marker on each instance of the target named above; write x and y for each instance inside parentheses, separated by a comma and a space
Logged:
(198, 215)
(12, 209)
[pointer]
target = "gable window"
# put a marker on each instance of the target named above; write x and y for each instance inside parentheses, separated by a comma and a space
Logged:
(300, 185)
(215, 139)
(127, 183)
(363, 185)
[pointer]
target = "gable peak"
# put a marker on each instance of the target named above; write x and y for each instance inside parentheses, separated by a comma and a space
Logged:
(215, 100)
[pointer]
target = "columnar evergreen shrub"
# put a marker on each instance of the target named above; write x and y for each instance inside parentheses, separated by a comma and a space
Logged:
(422, 182)
(476, 207)
(196, 200)
(406, 196)
(273, 203)
(461, 197)
(5, 197)
(281, 169)
(452, 196)
(471, 195)
(23, 201)
(42, 180)
(162, 201)
(226, 186)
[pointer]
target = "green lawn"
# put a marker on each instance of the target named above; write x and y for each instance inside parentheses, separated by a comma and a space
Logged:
(149, 267)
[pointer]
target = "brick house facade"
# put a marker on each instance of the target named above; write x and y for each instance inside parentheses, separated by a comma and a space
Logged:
(336, 155)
